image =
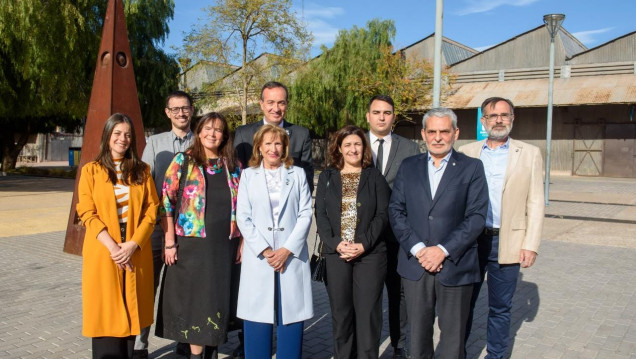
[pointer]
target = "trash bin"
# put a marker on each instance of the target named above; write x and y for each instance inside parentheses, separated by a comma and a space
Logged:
(74, 156)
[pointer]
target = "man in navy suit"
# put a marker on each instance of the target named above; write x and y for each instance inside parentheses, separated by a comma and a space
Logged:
(437, 210)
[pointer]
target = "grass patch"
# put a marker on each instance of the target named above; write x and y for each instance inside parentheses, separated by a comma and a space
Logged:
(44, 172)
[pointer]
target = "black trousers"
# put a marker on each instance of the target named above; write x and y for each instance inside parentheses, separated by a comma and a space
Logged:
(113, 348)
(425, 297)
(355, 296)
(395, 295)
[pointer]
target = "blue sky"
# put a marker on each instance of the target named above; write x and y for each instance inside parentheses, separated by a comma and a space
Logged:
(475, 23)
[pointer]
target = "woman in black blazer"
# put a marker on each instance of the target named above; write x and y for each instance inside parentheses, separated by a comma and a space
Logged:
(351, 212)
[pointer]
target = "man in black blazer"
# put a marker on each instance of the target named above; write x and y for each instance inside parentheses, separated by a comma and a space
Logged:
(437, 210)
(393, 149)
(274, 105)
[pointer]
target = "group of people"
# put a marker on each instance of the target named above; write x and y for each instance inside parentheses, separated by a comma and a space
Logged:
(230, 216)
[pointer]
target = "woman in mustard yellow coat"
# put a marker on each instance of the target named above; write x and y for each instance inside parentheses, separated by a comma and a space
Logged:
(118, 205)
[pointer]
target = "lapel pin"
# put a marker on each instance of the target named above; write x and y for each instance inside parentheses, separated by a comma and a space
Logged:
(453, 163)
(287, 182)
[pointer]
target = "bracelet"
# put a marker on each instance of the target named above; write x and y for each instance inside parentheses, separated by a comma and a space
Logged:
(172, 246)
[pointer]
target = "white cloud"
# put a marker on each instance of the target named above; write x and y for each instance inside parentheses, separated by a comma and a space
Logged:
(323, 32)
(324, 12)
(482, 48)
(318, 19)
(479, 6)
(588, 37)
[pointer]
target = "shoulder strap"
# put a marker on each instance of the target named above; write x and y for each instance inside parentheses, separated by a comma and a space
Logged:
(182, 180)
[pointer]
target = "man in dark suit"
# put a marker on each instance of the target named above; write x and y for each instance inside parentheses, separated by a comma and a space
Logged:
(389, 150)
(274, 105)
(437, 210)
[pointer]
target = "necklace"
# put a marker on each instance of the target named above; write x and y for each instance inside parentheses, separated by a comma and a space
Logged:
(215, 165)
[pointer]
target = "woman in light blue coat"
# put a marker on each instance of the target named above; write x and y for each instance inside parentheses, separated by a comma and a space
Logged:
(274, 215)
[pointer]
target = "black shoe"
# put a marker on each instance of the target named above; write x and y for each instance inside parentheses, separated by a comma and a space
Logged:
(399, 353)
(182, 349)
(140, 354)
(239, 352)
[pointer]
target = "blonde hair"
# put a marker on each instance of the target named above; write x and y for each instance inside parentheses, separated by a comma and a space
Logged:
(257, 157)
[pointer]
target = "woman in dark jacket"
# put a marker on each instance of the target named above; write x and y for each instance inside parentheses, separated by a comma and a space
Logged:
(351, 212)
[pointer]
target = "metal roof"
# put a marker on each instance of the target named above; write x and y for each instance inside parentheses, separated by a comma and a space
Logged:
(453, 53)
(606, 89)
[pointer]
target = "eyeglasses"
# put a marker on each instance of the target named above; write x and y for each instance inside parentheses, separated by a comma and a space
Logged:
(505, 117)
(175, 110)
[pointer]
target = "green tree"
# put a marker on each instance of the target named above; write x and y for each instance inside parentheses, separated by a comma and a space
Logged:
(42, 77)
(48, 51)
(333, 89)
(234, 30)
(156, 73)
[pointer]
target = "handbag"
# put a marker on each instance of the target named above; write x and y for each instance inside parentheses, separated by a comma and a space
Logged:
(318, 264)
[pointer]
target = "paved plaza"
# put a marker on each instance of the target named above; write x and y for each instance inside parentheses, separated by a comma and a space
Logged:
(578, 301)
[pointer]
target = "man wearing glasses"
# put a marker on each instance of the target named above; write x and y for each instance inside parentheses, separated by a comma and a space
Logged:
(514, 221)
(159, 151)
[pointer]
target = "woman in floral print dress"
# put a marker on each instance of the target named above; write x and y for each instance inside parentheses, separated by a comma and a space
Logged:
(203, 243)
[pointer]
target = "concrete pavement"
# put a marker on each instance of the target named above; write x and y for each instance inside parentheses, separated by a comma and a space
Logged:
(578, 301)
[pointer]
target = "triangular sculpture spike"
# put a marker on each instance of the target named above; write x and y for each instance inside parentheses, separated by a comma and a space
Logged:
(114, 90)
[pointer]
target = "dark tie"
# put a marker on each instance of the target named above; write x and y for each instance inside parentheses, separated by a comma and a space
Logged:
(380, 155)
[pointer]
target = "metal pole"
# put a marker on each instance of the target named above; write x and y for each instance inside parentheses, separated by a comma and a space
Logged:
(437, 65)
(549, 124)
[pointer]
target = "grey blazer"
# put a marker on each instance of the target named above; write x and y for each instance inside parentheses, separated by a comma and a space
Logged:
(299, 146)
(401, 148)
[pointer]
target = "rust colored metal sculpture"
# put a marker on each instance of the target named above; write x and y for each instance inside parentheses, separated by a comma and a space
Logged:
(114, 90)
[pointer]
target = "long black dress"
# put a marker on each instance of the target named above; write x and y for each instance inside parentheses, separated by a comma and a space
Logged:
(194, 304)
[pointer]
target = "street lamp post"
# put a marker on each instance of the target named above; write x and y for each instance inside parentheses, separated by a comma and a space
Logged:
(553, 24)
(437, 56)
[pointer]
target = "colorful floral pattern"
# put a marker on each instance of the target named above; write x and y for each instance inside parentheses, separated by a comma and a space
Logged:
(191, 221)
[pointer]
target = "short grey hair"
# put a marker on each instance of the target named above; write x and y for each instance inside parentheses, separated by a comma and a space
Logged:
(440, 112)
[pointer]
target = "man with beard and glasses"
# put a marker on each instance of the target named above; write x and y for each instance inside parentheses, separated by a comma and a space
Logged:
(515, 217)
(158, 154)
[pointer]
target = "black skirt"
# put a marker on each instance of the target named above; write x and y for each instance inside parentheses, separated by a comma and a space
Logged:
(194, 303)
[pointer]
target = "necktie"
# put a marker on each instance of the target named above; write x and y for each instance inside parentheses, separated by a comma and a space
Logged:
(380, 155)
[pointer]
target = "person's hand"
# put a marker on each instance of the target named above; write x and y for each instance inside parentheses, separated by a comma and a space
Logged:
(125, 252)
(527, 258)
(342, 248)
(239, 252)
(431, 258)
(126, 266)
(170, 253)
(351, 251)
(277, 259)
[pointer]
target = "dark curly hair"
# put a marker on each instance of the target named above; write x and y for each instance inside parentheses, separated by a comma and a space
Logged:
(335, 157)
(226, 149)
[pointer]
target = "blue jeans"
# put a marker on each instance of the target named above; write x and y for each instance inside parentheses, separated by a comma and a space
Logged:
(502, 283)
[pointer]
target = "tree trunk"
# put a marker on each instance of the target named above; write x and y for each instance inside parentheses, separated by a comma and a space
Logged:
(244, 101)
(244, 78)
(12, 144)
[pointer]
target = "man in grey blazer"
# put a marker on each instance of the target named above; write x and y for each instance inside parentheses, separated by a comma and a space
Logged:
(158, 154)
(274, 103)
(388, 151)
(514, 221)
